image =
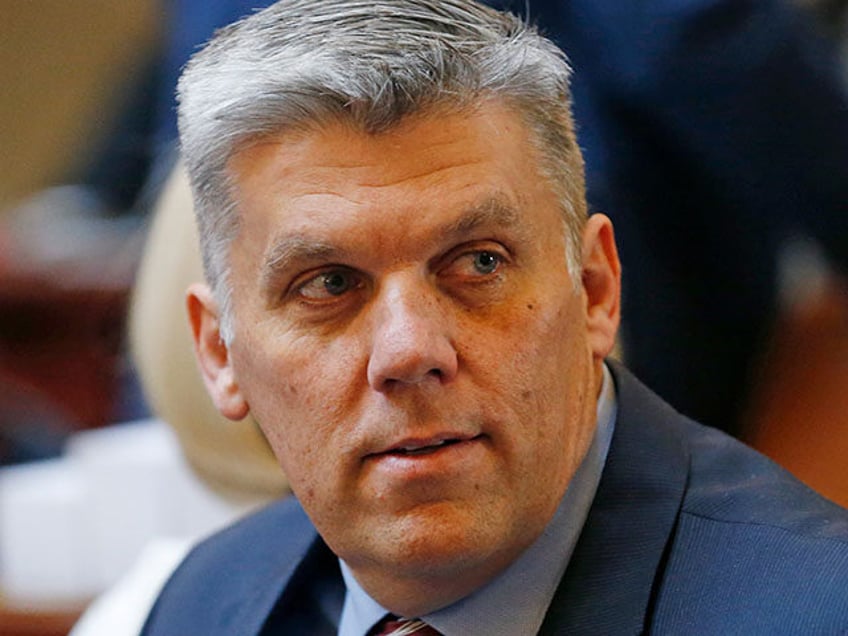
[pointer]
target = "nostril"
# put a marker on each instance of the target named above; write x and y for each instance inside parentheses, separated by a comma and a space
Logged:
(434, 373)
(415, 355)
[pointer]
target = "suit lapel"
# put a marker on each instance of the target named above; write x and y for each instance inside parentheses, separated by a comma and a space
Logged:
(313, 595)
(607, 588)
(273, 567)
(231, 584)
(291, 587)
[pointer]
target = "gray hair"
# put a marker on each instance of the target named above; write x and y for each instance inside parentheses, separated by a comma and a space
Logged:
(301, 63)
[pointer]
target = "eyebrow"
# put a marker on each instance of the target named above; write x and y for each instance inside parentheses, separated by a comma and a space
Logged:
(295, 249)
(493, 211)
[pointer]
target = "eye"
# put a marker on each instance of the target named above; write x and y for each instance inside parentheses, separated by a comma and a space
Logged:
(486, 262)
(330, 284)
(477, 264)
(469, 266)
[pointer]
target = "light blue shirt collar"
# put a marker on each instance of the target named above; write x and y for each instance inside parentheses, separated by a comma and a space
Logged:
(516, 601)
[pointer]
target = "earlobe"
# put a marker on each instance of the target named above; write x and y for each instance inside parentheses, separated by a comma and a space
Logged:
(602, 284)
(213, 354)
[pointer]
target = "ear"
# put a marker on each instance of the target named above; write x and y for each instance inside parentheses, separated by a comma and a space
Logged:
(212, 353)
(602, 284)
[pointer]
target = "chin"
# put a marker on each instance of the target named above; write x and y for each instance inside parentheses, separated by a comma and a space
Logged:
(446, 541)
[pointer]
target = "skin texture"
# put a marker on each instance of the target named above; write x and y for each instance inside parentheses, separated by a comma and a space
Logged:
(397, 291)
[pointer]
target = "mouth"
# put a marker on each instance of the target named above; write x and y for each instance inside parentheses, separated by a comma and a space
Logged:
(415, 448)
(423, 450)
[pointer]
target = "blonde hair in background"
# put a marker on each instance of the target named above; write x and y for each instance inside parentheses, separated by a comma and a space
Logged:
(231, 457)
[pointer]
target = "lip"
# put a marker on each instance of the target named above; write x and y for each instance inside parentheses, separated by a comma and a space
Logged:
(440, 459)
(413, 447)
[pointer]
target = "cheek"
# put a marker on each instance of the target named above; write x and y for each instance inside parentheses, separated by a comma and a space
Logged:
(280, 373)
(302, 395)
(548, 350)
(548, 379)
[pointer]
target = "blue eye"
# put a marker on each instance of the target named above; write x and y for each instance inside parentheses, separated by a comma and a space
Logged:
(329, 284)
(336, 283)
(486, 262)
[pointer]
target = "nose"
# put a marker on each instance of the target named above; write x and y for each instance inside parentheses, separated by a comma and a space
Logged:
(411, 342)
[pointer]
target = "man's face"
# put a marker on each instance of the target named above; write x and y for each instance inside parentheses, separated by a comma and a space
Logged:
(407, 335)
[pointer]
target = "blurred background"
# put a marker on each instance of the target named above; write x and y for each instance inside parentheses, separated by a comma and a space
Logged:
(107, 442)
(70, 72)
(67, 72)
(87, 478)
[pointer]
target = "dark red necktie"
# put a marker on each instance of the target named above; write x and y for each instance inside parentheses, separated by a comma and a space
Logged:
(391, 625)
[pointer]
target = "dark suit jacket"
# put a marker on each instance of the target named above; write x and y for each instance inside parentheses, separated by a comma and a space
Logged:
(690, 532)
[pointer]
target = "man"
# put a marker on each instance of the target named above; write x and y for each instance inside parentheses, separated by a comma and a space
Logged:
(405, 292)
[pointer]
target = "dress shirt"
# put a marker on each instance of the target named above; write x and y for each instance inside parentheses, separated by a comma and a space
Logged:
(515, 602)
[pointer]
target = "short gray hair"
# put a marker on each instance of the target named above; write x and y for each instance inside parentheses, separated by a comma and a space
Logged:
(300, 63)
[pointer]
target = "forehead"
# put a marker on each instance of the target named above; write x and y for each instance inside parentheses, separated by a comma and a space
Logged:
(445, 168)
(491, 135)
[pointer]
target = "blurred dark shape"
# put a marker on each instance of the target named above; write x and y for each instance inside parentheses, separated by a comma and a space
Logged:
(832, 16)
(715, 132)
(34, 427)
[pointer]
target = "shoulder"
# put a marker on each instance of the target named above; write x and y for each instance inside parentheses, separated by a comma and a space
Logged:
(752, 545)
(731, 483)
(726, 481)
(235, 577)
(749, 549)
